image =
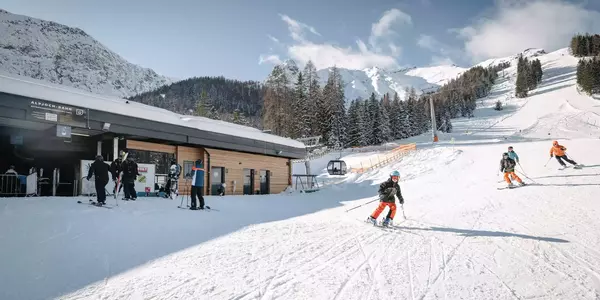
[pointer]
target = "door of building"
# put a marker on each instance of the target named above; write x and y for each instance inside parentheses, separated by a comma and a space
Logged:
(265, 182)
(217, 177)
(248, 181)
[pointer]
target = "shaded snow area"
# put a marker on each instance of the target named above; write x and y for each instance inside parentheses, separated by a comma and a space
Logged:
(463, 238)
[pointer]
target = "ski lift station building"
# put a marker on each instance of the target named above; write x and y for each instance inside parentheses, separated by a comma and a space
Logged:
(61, 129)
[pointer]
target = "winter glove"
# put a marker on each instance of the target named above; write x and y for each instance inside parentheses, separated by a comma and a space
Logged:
(551, 155)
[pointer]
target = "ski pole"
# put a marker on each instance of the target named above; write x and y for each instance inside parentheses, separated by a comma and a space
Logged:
(527, 177)
(362, 204)
(181, 202)
(547, 161)
(402, 206)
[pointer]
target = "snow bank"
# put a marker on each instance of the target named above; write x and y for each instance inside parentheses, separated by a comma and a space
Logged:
(28, 87)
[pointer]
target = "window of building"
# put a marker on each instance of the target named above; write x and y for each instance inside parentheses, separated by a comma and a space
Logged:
(161, 160)
(187, 167)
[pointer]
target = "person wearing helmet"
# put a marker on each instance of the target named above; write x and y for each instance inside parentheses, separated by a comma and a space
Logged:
(507, 165)
(99, 169)
(512, 154)
(558, 151)
(387, 190)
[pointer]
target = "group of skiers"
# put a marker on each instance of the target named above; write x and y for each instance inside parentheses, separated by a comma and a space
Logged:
(100, 170)
(128, 170)
(390, 189)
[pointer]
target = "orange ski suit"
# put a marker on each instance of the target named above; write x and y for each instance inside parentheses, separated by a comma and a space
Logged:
(382, 206)
(558, 150)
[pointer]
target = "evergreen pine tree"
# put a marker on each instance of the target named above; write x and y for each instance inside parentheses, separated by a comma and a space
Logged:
(301, 119)
(394, 113)
(367, 122)
(313, 90)
(521, 84)
(354, 124)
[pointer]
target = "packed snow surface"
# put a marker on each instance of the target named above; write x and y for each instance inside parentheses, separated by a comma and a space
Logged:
(462, 238)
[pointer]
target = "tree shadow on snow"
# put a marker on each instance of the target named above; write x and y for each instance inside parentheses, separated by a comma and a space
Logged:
(565, 184)
(561, 176)
(485, 233)
(555, 88)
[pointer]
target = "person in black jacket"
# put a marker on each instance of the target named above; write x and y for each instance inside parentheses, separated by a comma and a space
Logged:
(99, 169)
(388, 190)
(130, 173)
(115, 169)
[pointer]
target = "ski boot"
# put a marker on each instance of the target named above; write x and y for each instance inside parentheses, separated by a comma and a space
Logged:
(387, 222)
(510, 185)
(522, 183)
(372, 220)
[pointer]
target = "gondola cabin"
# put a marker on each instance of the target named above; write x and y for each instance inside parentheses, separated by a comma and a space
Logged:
(336, 167)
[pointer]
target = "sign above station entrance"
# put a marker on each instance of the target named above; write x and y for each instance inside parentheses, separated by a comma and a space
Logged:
(57, 113)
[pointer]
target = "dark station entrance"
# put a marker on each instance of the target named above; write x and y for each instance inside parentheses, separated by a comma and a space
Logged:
(41, 147)
(35, 147)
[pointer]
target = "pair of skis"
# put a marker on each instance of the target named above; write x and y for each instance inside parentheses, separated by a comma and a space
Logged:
(380, 224)
(119, 179)
(96, 204)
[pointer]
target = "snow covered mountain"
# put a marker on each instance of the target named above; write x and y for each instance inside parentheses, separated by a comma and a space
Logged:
(361, 83)
(439, 75)
(64, 55)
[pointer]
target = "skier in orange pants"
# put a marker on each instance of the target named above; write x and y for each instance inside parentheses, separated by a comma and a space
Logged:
(387, 191)
(507, 165)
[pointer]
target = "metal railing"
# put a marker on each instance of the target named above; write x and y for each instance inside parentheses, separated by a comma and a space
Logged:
(391, 157)
(11, 185)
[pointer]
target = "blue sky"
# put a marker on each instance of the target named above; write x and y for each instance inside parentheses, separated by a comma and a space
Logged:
(242, 39)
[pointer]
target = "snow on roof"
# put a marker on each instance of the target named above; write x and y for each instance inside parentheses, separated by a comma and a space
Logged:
(32, 88)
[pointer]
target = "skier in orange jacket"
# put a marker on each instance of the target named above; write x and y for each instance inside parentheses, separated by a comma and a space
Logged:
(558, 151)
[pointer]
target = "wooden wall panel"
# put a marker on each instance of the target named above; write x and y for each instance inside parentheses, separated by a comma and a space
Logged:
(236, 162)
(188, 154)
(139, 145)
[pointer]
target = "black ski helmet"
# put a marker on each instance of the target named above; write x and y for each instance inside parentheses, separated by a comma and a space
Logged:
(505, 154)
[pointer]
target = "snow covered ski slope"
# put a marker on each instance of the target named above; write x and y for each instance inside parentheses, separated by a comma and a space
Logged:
(462, 239)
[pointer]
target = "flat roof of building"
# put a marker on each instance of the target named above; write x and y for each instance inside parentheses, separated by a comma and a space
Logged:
(36, 89)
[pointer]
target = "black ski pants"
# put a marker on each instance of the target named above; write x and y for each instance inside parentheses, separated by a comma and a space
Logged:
(171, 183)
(197, 191)
(129, 190)
(560, 160)
(101, 191)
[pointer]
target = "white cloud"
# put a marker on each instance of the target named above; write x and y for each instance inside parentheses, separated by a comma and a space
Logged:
(326, 55)
(384, 26)
(382, 31)
(272, 38)
(382, 51)
(297, 28)
(273, 59)
(427, 42)
(443, 52)
(517, 25)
